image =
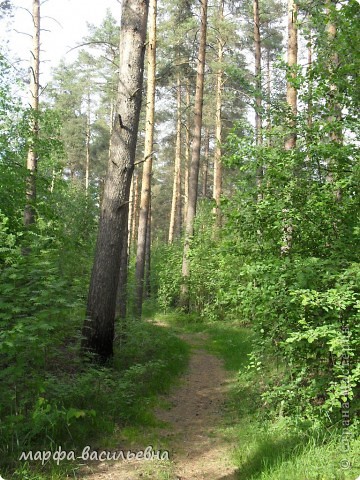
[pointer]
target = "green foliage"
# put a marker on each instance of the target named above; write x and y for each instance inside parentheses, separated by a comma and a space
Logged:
(166, 278)
(287, 258)
(274, 447)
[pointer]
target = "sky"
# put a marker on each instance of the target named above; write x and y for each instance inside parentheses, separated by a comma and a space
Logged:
(66, 22)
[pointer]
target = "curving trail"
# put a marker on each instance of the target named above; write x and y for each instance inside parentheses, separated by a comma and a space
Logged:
(190, 428)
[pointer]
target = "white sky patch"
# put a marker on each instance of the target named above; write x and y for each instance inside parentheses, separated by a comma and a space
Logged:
(65, 24)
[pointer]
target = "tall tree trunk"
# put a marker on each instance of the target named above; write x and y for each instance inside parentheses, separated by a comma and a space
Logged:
(195, 156)
(88, 133)
(206, 162)
(187, 148)
(291, 92)
(121, 298)
(309, 67)
(131, 211)
(268, 95)
(147, 291)
(258, 87)
(32, 157)
(291, 98)
(148, 154)
(98, 329)
(135, 214)
(333, 105)
(217, 190)
(175, 214)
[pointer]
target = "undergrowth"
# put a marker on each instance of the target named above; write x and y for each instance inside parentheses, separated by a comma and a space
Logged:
(270, 444)
(91, 406)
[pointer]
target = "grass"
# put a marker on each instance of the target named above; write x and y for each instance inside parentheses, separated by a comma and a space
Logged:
(271, 447)
(109, 406)
(268, 446)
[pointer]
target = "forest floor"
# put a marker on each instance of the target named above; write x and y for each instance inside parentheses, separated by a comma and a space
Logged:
(188, 425)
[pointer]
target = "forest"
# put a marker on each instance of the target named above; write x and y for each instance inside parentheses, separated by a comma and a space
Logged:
(180, 239)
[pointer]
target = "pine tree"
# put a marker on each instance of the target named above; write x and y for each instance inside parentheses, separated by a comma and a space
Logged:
(98, 329)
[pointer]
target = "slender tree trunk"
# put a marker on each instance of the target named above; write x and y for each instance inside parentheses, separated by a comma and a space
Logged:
(121, 298)
(309, 103)
(174, 227)
(131, 211)
(206, 162)
(187, 148)
(195, 157)
(291, 98)
(53, 176)
(148, 154)
(135, 215)
(268, 94)
(333, 105)
(258, 86)
(98, 329)
(32, 157)
(217, 190)
(291, 92)
(147, 291)
(88, 133)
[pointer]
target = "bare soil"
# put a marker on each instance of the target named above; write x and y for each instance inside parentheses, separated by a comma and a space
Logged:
(190, 428)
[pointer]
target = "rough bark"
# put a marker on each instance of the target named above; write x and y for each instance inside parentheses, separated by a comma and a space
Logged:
(148, 157)
(32, 157)
(195, 156)
(217, 190)
(98, 329)
(175, 213)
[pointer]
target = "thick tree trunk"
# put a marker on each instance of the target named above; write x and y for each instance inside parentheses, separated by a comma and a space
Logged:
(98, 330)
(148, 154)
(32, 158)
(195, 156)
(175, 214)
(217, 190)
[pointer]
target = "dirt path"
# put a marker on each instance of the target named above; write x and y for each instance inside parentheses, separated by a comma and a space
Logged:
(190, 432)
